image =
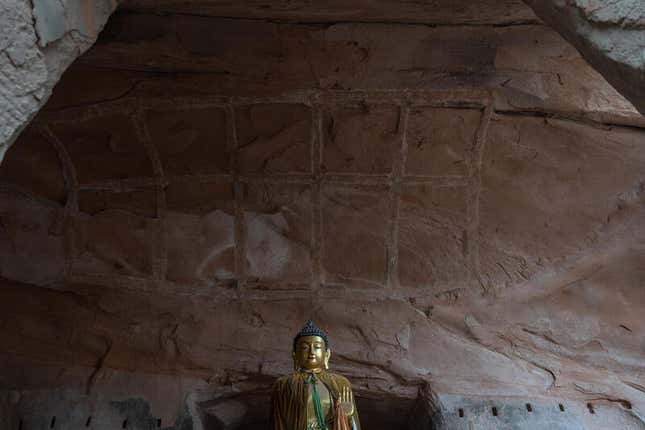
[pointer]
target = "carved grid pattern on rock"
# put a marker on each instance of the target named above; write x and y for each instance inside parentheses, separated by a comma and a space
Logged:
(390, 182)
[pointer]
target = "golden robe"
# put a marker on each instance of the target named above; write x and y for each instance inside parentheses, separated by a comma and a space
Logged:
(290, 397)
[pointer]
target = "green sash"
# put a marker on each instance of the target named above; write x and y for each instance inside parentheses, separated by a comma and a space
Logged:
(317, 403)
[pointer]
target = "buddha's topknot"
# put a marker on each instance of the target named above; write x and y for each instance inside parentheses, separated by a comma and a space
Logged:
(311, 329)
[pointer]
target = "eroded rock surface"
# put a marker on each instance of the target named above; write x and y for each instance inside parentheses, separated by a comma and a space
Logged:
(39, 39)
(459, 206)
(610, 35)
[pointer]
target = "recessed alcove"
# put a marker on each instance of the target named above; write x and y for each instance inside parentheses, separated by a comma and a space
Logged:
(252, 410)
(448, 189)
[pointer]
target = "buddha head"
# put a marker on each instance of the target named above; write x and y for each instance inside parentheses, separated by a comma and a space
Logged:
(311, 349)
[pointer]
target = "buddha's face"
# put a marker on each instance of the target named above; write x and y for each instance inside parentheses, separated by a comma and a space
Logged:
(310, 354)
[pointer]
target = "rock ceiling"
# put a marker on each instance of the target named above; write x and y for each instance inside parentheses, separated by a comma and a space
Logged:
(437, 12)
(459, 204)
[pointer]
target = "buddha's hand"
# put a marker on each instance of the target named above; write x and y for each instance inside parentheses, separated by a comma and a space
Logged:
(347, 401)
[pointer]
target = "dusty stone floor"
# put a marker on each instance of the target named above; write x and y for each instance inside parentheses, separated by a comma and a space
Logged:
(459, 203)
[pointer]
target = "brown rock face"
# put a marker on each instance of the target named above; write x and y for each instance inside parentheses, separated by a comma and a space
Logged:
(460, 206)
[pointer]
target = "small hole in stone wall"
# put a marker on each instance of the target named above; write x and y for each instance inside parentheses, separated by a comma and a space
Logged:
(529, 407)
(158, 422)
(125, 424)
(561, 406)
(461, 413)
(20, 425)
(52, 424)
(88, 422)
(494, 410)
(590, 407)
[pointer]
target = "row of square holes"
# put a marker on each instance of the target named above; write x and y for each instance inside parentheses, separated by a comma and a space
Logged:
(494, 412)
(88, 423)
(529, 408)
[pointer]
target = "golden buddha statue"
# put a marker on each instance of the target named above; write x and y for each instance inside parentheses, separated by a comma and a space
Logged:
(312, 398)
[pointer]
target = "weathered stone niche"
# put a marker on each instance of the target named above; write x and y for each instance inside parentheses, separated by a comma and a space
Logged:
(460, 205)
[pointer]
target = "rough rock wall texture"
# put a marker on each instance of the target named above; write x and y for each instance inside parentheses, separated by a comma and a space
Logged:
(609, 34)
(459, 206)
(39, 39)
(432, 12)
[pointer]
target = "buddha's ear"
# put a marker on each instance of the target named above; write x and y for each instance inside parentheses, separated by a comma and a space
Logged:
(293, 357)
(327, 357)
